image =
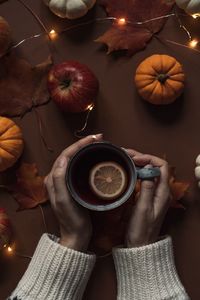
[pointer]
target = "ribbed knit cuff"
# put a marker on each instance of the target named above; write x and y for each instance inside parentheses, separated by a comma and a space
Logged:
(55, 273)
(148, 272)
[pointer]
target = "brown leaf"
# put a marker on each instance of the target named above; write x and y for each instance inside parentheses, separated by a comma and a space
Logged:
(130, 37)
(178, 190)
(21, 85)
(29, 190)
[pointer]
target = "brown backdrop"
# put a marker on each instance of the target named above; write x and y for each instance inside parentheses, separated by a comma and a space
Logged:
(125, 120)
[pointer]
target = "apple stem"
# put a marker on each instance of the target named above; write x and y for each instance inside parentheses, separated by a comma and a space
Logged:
(65, 84)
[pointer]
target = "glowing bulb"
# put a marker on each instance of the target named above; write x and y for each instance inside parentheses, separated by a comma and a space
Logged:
(121, 21)
(90, 107)
(9, 249)
(195, 16)
(193, 43)
(53, 34)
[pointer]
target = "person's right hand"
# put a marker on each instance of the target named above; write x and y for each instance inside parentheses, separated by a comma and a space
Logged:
(152, 203)
(74, 220)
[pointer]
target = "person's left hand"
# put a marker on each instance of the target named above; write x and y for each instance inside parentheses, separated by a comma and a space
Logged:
(152, 202)
(74, 221)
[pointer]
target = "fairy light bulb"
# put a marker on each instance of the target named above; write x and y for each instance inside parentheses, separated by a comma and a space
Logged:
(9, 249)
(193, 43)
(121, 21)
(90, 107)
(195, 16)
(53, 34)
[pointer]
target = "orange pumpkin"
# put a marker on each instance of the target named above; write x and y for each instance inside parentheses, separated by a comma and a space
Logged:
(160, 79)
(5, 36)
(11, 143)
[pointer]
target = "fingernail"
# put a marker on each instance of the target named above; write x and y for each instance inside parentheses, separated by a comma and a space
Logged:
(97, 136)
(148, 166)
(62, 162)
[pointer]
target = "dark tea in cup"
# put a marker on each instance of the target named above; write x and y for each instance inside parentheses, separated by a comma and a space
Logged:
(102, 176)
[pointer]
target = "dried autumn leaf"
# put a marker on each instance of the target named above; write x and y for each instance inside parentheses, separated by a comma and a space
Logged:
(22, 86)
(29, 190)
(178, 190)
(130, 37)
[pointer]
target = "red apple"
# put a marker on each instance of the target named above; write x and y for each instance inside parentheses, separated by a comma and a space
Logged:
(73, 86)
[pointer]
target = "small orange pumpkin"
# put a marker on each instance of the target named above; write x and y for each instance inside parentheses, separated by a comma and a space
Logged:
(5, 36)
(160, 79)
(11, 143)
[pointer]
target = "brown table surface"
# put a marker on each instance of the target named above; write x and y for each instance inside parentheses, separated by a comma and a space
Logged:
(125, 120)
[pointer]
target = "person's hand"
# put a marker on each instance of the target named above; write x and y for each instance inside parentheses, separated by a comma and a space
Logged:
(74, 220)
(152, 203)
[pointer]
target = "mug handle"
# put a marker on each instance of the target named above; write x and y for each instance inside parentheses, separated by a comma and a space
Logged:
(147, 173)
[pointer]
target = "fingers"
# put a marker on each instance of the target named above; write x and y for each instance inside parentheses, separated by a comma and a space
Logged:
(50, 189)
(56, 185)
(145, 159)
(132, 152)
(147, 192)
(58, 177)
(55, 181)
(161, 189)
(71, 150)
(158, 192)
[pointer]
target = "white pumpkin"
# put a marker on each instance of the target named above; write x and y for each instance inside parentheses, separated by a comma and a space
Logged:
(197, 170)
(71, 9)
(192, 7)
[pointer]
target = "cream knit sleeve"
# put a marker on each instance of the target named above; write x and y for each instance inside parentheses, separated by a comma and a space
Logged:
(54, 273)
(148, 273)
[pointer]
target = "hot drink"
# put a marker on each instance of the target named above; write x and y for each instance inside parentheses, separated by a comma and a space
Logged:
(101, 176)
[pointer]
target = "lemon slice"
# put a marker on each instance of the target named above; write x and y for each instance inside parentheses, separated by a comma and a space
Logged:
(108, 180)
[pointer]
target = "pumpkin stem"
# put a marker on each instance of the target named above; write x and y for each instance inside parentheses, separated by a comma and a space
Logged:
(162, 77)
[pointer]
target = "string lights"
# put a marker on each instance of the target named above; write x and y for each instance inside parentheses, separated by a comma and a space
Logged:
(122, 21)
(79, 132)
(53, 34)
(10, 251)
(193, 43)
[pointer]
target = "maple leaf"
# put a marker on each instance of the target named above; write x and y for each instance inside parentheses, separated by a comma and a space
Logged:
(178, 189)
(29, 190)
(22, 86)
(131, 37)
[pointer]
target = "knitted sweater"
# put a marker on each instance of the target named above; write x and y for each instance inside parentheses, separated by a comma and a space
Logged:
(58, 273)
